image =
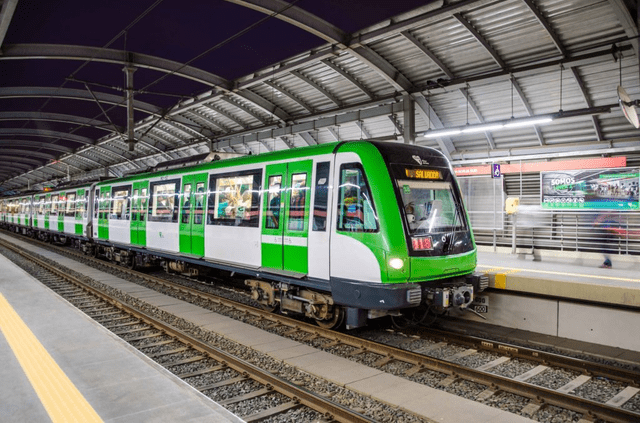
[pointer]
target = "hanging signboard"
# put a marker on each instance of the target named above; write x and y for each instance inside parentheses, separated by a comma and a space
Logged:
(603, 189)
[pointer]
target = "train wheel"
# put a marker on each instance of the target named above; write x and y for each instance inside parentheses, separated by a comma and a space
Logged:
(336, 322)
(269, 308)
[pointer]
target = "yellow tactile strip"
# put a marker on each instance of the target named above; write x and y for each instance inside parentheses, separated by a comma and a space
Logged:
(58, 395)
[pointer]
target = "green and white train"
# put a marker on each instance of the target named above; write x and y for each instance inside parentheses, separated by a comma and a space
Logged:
(343, 231)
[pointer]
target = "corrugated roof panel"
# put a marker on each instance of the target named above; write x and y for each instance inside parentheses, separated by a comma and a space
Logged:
(584, 22)
(365, 74)
(336, 84)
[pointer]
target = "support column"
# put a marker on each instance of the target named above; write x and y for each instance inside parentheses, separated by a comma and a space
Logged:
(409, 109)
(129, 70)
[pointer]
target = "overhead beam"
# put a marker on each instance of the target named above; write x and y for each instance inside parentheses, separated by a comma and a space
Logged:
(478, 115)
(290, 95)
(227, 115)
(547, 26)
(479, 38)
(46, 134)
(244, 109)
(429, 115)
(348, 77)
(265, 105)
(58, 117)
(308, 138)
(105, 55)
(317, 87)
(35, 145)
(6, 14)
(587, 99)
(528, 108)
(628, 22)
(20, 152)
(387, 71)
(10, 158)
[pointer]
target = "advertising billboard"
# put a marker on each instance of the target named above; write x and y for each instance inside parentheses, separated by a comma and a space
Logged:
(601, 189)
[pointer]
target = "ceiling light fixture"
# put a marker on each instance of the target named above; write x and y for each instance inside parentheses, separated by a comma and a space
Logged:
(483, 127)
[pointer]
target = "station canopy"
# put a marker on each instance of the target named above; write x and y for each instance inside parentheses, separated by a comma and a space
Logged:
(90, 89)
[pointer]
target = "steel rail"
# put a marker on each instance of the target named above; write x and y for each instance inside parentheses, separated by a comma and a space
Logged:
(316, 402)
(421, 362)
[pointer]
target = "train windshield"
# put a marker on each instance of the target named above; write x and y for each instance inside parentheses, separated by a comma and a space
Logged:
(429, 206)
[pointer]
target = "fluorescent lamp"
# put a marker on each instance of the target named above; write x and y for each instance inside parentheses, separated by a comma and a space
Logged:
(481, 128)
(438, 134)
(529, 122)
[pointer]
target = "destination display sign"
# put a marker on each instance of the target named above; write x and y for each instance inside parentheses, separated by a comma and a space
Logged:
(601, 189)
(422, 173)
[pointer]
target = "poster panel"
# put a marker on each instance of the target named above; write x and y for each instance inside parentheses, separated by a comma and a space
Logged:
(601, 189)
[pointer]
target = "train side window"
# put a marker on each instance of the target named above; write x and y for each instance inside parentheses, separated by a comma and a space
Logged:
(273, 202)
(105, 205)
(81, 205)
(297, 201)
(163, 205)
(71, 205)
(135, 206)
(186, 203)
(199, 205)
(356, 211)
(143, 204)
(41, 206)
(234, 199)
(321, 197)
(120, 202)
(54, 205)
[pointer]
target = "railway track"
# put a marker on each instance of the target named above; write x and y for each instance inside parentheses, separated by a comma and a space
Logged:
(235, 383)
(420, 352)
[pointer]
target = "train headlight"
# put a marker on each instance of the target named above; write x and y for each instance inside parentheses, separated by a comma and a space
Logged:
(396, 263)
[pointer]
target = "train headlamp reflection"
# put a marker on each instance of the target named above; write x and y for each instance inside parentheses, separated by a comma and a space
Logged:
(396, 263)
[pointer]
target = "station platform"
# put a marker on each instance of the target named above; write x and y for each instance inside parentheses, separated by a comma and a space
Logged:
(59, 365)
(563, 274)
(432, 404)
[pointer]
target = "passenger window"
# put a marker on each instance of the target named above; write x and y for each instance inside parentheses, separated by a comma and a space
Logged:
(120, 203)
(164, 201)
(186, 203)
(54, 205)
(96, 204)
(71, 205)
(199, 205)
(297, 202)
(273, 203)
(234, 199)
(356, 212)
(143, 204)
(321, 197)
(135, 205)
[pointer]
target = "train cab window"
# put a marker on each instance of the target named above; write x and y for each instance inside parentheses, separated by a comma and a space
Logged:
(356, 211)
(186, 203)
(297, 202)
(198, 207)
(273, 202)
(120, 203)
(54, 205)
(321, 197)
(163, 206)
(234, 199)
(70, 210)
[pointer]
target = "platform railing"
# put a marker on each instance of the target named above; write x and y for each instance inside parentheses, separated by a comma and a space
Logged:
(616, 232)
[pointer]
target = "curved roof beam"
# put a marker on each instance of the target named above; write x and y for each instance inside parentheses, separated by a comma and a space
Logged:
(6, 14)
(11, 158)
(35, 144)
(298, 18)
(59, 117)
(444, 69)
(19, 152)
(74, 94)
(496, 57)
(46, 134)
(15, 165)
(314, 25)
(96, 54)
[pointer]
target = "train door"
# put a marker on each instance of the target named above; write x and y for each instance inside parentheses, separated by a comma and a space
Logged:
(192, 214)
(139, 213)
(285, 225)
(79, 211)
(104, 206)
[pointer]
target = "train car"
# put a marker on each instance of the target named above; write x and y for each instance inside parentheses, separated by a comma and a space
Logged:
(17, 214)
(62, 215)
(353, 230)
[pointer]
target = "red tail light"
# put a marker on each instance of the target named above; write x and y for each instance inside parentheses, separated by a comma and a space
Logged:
(420, 244)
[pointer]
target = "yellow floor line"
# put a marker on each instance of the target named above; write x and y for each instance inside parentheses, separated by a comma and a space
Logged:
(60, 397)
(548, 272)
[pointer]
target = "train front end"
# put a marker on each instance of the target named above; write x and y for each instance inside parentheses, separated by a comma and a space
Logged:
(430, 254)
